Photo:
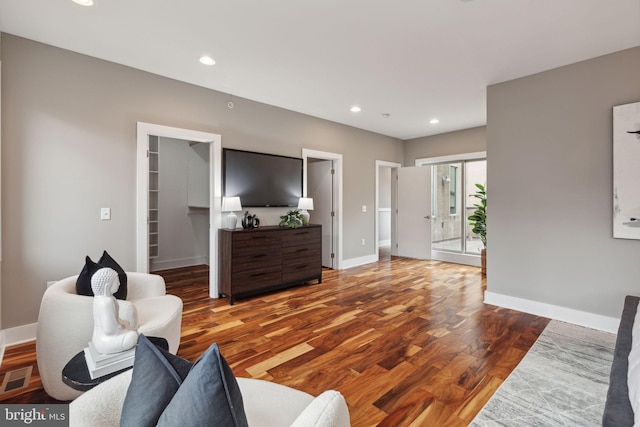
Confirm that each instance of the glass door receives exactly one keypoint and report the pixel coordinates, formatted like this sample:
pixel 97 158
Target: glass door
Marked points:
pixel 452 186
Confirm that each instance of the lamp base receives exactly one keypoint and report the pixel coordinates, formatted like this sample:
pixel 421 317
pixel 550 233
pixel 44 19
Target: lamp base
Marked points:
pixel 232 221
pixel 305 216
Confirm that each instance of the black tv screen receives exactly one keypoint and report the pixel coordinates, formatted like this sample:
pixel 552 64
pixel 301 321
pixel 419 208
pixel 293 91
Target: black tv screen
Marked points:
pixel 261 180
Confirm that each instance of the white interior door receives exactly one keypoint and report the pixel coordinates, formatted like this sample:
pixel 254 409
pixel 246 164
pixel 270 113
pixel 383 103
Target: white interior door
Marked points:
pixel 320 189
pixel 413 216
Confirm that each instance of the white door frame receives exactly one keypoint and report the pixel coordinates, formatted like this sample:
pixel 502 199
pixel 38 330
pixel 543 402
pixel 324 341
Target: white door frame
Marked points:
pixel 394 235
pixel 337 196
pixel 142 193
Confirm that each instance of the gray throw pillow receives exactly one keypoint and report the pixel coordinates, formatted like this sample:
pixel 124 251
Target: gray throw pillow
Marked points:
pixel 167 390
pixel 209 396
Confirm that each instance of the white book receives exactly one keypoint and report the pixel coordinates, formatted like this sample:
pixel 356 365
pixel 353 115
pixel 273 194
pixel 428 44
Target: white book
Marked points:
pixel 106 369
pixel 102 359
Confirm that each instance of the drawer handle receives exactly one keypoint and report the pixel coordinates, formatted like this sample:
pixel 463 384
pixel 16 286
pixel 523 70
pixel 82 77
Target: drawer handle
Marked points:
pixel 300 267
pixel 259 256
pixel 302 250
pixel 257 274
pixel 302 232
pixel 258 237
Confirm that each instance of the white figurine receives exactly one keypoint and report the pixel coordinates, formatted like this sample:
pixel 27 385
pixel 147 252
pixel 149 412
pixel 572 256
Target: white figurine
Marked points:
pixel 114 323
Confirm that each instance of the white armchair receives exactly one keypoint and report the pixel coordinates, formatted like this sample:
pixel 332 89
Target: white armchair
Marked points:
pixel 65 324
pixel 266 404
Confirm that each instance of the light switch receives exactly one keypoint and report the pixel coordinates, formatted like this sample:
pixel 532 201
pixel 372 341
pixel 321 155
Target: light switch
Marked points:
pixel 105 214
pixel 364 208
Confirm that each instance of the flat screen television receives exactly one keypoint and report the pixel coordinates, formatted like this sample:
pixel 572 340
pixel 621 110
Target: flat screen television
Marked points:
pixel 261 180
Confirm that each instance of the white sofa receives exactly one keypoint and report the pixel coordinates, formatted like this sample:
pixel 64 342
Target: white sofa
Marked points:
pixel 65 324
pixel 266 404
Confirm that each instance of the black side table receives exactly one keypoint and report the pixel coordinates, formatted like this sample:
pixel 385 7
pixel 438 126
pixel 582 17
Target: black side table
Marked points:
pixel 75 373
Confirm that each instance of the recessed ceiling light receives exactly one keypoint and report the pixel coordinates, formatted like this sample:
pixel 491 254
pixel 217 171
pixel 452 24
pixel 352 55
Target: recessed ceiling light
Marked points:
pixel 355 109
pixel 84 2
pixel 386 115
pixel 207 60
pixel 434 121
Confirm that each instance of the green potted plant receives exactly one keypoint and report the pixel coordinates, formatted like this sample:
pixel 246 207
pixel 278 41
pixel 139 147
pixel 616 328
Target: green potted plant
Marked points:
pixel 478 222
pixel 292 219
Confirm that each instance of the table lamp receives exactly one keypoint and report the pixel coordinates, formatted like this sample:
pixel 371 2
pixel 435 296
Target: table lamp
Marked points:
pixel 304 204
pixel 231 204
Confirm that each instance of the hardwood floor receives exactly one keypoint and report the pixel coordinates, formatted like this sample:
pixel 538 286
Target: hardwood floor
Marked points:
pixel 407 342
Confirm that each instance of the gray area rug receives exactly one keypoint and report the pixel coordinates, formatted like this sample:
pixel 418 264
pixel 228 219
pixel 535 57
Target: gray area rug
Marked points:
pixel 561 381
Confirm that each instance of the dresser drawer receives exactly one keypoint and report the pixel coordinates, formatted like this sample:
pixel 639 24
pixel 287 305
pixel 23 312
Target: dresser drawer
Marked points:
pixel 302 271
pixel 302 237
pixel 256 279
pixel 293 253
pixel 243 243
pixel 256 259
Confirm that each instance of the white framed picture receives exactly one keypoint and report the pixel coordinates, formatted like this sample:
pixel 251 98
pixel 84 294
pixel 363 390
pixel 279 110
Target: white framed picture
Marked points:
pixel 626 171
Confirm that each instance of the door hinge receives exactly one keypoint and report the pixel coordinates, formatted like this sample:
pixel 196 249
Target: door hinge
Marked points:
pixel 396 245
pixel 333 214
pixel 333 255
pixel 333 171
pixel 147 153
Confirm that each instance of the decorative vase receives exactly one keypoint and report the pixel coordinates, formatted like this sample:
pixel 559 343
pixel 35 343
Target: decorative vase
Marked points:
pixel 483 261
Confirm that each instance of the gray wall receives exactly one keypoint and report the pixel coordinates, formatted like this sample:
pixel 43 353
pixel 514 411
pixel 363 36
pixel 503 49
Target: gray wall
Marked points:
pixel 69 148
pixel 549 151
pixel 445 144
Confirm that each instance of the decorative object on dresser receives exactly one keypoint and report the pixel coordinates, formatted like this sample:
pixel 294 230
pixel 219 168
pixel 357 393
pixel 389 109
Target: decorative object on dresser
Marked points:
pixel 250 221
pixel 268 258
pixel 292 219
pixel 305 204
pixel 231 204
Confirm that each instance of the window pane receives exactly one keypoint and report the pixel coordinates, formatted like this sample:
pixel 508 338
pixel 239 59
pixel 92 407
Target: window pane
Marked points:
pixel 446 224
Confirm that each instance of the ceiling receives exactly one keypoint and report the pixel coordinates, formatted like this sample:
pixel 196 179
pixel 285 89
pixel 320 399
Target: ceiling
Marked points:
pixel 414 60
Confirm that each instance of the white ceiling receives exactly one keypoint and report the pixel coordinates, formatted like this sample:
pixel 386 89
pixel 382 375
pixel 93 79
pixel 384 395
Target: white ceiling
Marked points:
pixel 412 59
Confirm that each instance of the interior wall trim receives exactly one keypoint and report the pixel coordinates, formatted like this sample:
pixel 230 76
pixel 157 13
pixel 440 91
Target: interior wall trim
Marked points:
pixel 563 314
pixel 17 335
pixel 356 262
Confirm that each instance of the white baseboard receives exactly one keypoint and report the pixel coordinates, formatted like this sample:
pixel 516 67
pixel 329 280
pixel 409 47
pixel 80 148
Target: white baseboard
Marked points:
pixel 178 263
pixel 456 258
pixel 355 262
pixel 20 334
pixel 564 314
pixel 17 335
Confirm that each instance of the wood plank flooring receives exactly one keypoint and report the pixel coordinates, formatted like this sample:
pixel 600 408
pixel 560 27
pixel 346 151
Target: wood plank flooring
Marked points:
pixel 407 342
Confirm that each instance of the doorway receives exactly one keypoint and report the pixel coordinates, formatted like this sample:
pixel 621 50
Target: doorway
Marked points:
pixel 322 181
pixel 178 203
pixel 147 132
pixel 453 185
pixel 386 231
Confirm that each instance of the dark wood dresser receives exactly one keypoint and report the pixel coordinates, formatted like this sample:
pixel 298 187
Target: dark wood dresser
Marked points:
pixel 267 258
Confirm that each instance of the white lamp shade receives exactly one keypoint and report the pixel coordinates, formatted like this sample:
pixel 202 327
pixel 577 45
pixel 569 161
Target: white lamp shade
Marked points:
pixel 230 204
pixel 305 203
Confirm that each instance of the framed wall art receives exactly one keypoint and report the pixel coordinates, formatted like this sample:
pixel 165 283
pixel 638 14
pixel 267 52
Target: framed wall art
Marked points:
pixel 626 171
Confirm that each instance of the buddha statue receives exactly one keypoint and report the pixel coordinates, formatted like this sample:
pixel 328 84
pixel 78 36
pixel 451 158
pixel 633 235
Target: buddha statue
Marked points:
pixel 115 322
